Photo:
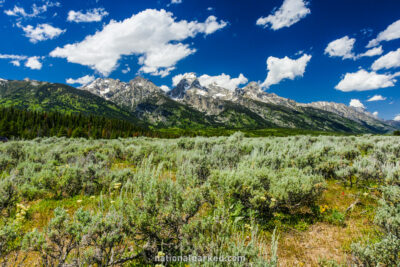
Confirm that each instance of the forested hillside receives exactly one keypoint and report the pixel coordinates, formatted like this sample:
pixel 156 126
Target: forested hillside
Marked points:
pixel 31 124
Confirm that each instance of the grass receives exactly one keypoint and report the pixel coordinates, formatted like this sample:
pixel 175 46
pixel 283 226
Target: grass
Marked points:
pixel 326 243
pixel 278 132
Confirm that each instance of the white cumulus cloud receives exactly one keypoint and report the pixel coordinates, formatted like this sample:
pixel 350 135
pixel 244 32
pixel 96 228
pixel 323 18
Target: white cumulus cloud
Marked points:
pixel 397 118
pixel 154 35
pixel 342 47
pixel 82 80
pixel 14 57
pixel 376 51
pixel 41 32
pixel 30 62
pixel 33 63
pixel 36 10
pixel 16 63
pixel 356 104
pixel 164 88
pixel 392 32
pixel 177 78
pixel 16 11
pixel 376 98
pixel 92 15
pixel 176 1
pixel 376 113
pixel 126 70
pixel 223 80
pixel 388 61
pixel 363 80
pixel 285 68
pixel 291 12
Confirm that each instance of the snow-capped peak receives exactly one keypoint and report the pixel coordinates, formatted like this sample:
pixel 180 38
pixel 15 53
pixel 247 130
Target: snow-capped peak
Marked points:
pixel 188 82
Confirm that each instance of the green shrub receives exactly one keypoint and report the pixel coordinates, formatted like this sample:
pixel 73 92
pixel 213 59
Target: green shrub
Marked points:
pixel 225 237
pixel 86 238
pixel 387 250
pixel 158 209
pixel 294 189
pixel 9 234
pixel 8 194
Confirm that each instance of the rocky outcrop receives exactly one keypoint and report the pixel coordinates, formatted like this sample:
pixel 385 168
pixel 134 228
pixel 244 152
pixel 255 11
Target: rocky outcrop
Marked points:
pixel 124 94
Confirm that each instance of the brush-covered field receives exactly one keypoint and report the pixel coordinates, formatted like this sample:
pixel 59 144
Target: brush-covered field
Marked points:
pixel 274 201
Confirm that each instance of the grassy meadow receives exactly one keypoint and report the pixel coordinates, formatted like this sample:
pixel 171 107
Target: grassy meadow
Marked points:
pixel 277 201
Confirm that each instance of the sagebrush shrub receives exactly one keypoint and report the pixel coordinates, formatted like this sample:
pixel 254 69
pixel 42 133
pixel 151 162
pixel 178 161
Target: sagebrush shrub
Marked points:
pixel 206 195
pixel 387 250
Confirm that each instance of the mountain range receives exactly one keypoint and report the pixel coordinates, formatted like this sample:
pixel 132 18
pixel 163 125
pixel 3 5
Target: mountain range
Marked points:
pixel 190 105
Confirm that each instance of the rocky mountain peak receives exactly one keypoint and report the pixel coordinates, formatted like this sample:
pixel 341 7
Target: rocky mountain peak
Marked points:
pixel 105 87
pixel 127 94
pixel 252 87
pixel 139 80
pixel 188 82
pixel 3 81
pixel 144 84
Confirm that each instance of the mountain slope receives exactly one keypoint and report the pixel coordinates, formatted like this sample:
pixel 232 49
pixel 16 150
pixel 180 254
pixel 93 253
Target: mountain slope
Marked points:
pixel 356 114
pixel 394 123
pixel 161 111
pixel 149 103
pixel 189 105
pixel 44 96
pixel 273 110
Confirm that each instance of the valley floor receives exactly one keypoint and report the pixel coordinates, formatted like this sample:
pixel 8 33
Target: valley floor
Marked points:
pixel 278 201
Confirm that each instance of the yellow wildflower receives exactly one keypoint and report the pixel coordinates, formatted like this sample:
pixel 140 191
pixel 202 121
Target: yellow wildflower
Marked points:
pixel 247 226
pixel 322 209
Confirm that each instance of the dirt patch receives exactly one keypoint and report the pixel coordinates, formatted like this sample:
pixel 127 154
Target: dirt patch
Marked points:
pixel 327 242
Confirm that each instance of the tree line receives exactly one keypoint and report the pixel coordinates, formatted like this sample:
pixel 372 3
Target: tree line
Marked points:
pixel 27 124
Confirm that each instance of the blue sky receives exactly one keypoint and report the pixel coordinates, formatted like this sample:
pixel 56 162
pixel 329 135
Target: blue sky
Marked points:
pixel 307 50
